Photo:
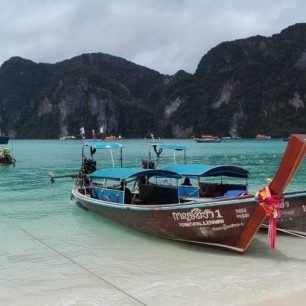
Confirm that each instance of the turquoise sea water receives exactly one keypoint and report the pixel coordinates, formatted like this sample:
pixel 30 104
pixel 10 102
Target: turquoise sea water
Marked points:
pixel 53 253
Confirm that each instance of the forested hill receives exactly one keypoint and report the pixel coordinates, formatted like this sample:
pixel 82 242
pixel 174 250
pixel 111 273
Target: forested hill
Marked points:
pixel 240 88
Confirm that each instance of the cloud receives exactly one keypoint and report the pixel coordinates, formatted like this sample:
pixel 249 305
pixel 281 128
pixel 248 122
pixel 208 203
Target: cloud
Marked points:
pixel 162 35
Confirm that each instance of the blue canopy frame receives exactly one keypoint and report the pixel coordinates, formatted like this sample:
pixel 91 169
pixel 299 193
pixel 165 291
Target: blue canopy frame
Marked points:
pixel 125 173
pixel 159 147
pixel 94 145
pixel 205 170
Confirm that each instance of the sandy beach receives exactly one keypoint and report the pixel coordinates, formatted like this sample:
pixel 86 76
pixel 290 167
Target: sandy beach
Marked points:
pixel 296 298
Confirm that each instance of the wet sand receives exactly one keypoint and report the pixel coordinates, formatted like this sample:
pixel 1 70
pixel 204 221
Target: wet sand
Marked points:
pixel 296 298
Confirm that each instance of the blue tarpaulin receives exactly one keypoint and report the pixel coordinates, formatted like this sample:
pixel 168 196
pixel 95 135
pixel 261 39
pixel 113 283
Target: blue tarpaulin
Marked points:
pixel 197 170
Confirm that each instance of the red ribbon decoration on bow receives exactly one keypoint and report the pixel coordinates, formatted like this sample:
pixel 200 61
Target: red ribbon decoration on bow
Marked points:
pixel 272 207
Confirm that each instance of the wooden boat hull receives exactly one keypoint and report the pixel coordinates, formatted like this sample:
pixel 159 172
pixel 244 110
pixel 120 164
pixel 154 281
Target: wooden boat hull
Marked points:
pixel 227 224
pixel 293 214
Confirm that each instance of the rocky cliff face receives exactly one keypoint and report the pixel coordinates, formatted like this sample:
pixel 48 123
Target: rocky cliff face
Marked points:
pixel 250 86
pixel 92 90
pixel 240 88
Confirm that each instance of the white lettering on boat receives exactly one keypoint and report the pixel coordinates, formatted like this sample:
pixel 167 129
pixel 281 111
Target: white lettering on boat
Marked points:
pixel 242 213
pixel 243 216
pixel 225 227
pixel 240 210
pixel 304 207
pixel 203 231
pixel 285 205
pixel 201 223
pixel 197 214
pixel 288 213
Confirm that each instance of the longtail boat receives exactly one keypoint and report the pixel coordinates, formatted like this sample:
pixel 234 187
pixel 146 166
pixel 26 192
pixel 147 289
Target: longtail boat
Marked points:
pixel 214 214
pixel 153 201
pixel 208 139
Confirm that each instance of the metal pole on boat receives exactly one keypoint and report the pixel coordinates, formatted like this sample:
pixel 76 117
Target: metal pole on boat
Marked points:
pixel 185 157
pixel 178 190
pixel 83 153
pixel 174 160
pixel 121 162
pixel 111 152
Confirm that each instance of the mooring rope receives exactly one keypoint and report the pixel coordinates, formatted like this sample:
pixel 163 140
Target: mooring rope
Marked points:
pixel 82 267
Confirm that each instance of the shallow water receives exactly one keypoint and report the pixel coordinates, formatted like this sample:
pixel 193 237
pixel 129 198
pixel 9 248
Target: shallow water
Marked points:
pixel 53 253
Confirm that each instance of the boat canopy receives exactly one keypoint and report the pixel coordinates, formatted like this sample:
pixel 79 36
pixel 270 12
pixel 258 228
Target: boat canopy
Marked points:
pixel 103 144
pixel 167 146
pixel 197 170
pixel 159 147
pixel 125 173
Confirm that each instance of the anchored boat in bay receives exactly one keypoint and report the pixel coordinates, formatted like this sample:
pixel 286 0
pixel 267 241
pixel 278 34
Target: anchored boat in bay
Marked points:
pixel 163 203
pixel 153 201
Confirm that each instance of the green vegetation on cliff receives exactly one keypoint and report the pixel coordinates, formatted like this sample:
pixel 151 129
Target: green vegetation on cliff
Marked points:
pixel 241 88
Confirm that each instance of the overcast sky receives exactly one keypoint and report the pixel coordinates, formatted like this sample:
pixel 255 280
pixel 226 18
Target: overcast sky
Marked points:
pixel 165 35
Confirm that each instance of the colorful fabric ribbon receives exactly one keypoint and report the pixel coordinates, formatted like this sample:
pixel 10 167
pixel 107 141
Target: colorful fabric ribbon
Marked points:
pixel 272 207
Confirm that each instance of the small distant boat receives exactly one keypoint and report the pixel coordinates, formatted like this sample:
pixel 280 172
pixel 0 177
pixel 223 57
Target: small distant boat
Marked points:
pixel 262 137
pixel 5 157
pixel 208 139
pixel 111 137
pixel 68 138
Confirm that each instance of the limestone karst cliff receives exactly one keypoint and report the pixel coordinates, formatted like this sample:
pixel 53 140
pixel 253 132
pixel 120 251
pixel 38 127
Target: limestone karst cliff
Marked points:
pixel 240 88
